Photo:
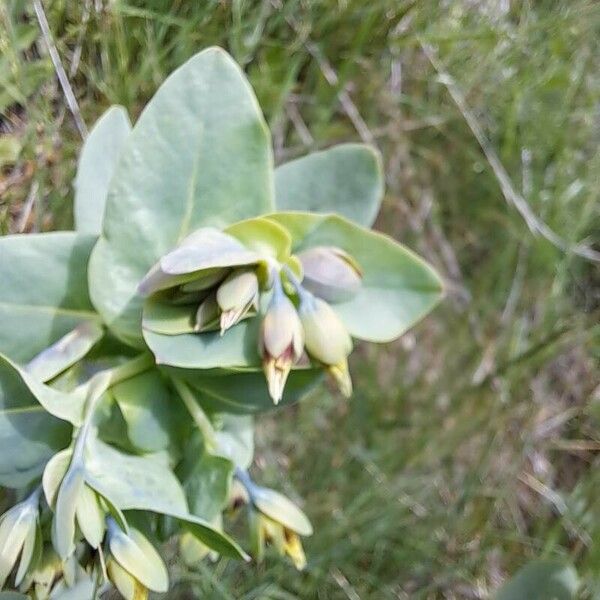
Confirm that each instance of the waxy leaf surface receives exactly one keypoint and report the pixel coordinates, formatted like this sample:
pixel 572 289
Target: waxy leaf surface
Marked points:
pixel 199 155
pixel 346 179
pixel 43 294
pixel 97 164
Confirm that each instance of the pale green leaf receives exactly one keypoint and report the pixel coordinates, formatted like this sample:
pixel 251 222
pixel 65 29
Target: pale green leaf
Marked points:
pixel 398 287
pixel 29 435
pixel 199 155
pixel 246 392
pixel 346 179
pixel 65 352
pixel 147 407
pixel 97 163
pixel 67 406
pixel 206 480
pixel 235 439
pixel 133 482
pixel 44 292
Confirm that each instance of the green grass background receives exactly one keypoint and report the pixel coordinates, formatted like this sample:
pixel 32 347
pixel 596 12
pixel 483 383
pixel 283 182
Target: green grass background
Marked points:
pixel 471 445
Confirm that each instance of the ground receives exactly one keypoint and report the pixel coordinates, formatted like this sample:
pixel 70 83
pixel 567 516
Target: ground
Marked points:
pixel 470 446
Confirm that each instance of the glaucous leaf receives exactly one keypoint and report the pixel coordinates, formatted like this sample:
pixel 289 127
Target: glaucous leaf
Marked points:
pixel 133 482
pixel 211 536
pixel 44 291
pixel 398 287
pixel 97 163
pixel 65 352
pixel 346 179
pixel 147 407
pixel 64 405
pixel 258 235
pixel 235 439
pixel 29 435
pixel 206 480
pixel 541 580
pixel 246 392
pixel 199 155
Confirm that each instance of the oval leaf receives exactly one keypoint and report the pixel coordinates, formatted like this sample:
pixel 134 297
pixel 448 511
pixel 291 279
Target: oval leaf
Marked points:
pixel 97 163
pixel 199 155
pixel 346 179
pixel 44 292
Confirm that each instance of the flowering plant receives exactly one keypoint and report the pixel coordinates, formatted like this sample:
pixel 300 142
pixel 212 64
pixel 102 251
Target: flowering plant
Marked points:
pixel 201 286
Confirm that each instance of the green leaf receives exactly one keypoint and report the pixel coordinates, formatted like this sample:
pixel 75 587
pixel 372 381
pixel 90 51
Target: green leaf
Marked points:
pixel 206 481
pixel 66 406
pixel 260 236
pixel 133 482
pixel 541 580
pixel 235 439
pixel 346 179
pixel 147 407
pixel 208 350
pixel 65 352
pixel 97 163
pixel 398 287
pixel 44 293
pixel 246 392
pixel 199 155
pixel 29 435
pixel 210 536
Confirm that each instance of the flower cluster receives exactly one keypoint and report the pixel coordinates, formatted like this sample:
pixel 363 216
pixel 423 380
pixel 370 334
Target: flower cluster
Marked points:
pixel 217 282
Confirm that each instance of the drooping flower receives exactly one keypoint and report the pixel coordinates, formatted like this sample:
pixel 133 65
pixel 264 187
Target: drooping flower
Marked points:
pixel 18 532
pixel 134 565
pixel 276 520
pixel 326 338
pixel 281 340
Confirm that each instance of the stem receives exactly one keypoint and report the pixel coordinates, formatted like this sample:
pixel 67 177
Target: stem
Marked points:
pixel 133 367
pixel 305 296
pixel 200 417
pixel 242 476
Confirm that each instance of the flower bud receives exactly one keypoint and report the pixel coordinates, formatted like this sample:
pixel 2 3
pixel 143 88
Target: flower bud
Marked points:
pixel 280 341
pixel 330 273
pixel 326 339
pixel 207 315
pixel 237 296
pixel 135 555
pixel 275 519
pixel 18 533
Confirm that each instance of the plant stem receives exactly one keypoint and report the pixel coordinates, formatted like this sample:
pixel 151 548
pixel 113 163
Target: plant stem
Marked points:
pixel 200 417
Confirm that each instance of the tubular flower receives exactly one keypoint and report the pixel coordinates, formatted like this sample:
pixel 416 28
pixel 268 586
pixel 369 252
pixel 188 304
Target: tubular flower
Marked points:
pixel 18 534
pixel 274 519
pixel 281 340
pixel 134 565
pixel 330 273
pixel 326 338
pixel 237 296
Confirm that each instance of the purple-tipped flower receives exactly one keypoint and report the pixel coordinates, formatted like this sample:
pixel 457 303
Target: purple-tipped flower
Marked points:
pixel 281 340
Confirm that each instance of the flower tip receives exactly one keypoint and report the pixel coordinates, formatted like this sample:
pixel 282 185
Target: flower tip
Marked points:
pixel 341 376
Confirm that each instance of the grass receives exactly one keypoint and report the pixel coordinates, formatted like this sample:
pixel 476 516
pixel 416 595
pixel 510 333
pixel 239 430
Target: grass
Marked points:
pixel 471 445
